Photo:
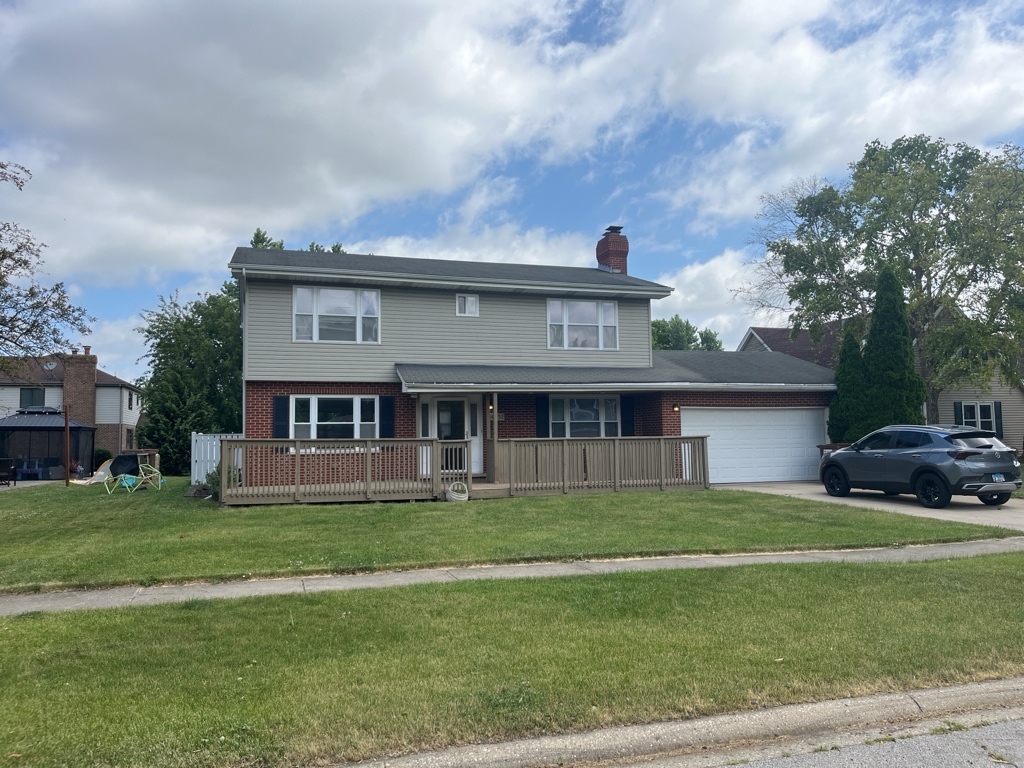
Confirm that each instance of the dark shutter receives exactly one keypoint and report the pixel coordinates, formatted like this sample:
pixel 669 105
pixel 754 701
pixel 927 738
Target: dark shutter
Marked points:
pixel 387 416
pixel 958 412
pixel 543 417
pixel 626 413
pixel 998 408
pixel 280 416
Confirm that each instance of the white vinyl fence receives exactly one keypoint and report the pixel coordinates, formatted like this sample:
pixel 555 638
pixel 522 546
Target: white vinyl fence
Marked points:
pixel 206 453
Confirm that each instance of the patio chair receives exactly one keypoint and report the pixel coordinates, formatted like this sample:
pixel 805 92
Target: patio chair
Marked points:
pixel 8 473
pixel 149 477
pixel 98 476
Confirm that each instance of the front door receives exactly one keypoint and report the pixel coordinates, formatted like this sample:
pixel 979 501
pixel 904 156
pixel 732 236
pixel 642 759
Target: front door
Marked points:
pixel 460 420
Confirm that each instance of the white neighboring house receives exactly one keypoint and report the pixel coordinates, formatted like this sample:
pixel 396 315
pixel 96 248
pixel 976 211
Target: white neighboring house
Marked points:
pixel 93 396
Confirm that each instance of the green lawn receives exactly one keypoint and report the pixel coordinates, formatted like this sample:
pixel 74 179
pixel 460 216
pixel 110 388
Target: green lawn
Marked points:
pixel 319 678
pixel 56 537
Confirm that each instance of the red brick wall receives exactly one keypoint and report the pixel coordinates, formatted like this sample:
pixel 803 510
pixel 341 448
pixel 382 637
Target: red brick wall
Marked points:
pixel 109 436
pixel 259 403
pixel 80 387
pixel 613 252
pixel 517 416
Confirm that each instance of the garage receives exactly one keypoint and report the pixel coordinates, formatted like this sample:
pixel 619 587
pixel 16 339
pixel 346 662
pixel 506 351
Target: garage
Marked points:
pixel 750 445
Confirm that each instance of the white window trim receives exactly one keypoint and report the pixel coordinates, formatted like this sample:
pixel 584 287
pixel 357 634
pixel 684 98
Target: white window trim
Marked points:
pixel 467 296
pixel 977 412
pixel 313 413
pixel 601 408
pixel 359 317
pixel 565 324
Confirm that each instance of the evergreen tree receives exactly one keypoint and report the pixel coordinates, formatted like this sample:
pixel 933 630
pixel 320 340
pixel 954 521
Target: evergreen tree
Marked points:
pixel 896 392
pixel 848 411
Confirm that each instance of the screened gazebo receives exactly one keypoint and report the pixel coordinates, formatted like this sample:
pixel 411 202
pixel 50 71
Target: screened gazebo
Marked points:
pixel 34 439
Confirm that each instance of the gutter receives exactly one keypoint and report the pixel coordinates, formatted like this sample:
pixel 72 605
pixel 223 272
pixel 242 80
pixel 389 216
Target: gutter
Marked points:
pixel 426 388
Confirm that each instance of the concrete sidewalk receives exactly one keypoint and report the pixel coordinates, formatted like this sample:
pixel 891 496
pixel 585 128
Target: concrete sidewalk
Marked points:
pixel 735 739
pixel 121 597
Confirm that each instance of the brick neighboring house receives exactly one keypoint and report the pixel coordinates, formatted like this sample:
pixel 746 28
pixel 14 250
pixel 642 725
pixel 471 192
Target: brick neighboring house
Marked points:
pixel 350 346
pixel 93 396
pixel 999 409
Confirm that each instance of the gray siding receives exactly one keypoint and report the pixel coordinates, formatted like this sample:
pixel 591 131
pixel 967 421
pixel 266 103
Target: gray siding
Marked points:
pixel 419 326
pixel 1012 399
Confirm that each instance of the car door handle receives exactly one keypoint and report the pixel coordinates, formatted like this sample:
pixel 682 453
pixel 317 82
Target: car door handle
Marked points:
pixel 877 456
pixel 915 455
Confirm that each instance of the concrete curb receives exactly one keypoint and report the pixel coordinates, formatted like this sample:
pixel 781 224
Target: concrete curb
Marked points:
pixel 642 742
pixel 122 597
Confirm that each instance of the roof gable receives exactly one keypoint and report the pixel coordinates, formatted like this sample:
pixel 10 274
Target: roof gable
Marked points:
pixel 38 371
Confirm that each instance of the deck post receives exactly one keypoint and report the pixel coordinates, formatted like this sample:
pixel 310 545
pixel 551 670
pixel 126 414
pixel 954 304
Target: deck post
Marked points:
pixel 298 469
pixel 565 466
pixel 661 474
pixel 616 457
pixel 368 489
pixel 435 466
pixel 511 468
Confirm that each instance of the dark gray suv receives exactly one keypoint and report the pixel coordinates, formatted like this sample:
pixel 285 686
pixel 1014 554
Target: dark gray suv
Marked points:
pixel 932 462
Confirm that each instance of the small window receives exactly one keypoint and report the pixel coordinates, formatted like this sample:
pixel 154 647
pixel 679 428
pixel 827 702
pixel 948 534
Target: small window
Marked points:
pixel 32 396
pixel 129 439
pixel 467 305
pixel 130 399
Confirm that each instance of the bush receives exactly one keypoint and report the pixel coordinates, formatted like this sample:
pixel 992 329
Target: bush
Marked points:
pixel 100 455
pixel 213 480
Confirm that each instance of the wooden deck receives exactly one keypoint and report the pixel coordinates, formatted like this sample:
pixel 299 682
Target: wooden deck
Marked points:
pixel 332 471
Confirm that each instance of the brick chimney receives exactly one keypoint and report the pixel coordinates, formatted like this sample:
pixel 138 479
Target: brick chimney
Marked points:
pixel 612 250
pixel 80 385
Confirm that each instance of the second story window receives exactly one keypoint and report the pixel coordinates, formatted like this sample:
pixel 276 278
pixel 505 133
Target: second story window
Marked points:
pixel 336 314
pixel 31 396
pixel 582 324
pixel 467 305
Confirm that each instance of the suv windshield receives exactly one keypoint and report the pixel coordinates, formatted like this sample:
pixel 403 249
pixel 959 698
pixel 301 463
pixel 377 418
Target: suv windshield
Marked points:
pixel 977 442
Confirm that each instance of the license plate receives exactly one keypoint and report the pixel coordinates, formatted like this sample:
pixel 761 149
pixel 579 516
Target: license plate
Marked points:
pixel 996 478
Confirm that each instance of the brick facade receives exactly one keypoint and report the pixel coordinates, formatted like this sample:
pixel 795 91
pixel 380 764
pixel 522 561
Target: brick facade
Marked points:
pixel 613 252
pixel 259 403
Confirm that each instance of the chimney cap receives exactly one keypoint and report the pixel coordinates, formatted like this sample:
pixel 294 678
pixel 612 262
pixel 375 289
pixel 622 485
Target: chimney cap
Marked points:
pixel 613 230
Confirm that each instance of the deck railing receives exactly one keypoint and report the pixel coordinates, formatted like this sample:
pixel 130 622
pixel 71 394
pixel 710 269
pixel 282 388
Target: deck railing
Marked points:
pixel 543 466
pixel 297 471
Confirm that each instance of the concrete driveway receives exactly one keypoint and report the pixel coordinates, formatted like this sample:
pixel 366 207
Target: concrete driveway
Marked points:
pixel 962 509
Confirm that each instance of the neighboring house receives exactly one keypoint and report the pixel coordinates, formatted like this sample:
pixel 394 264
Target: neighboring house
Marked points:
pixel 1000 409
pixel 346 346
pixel 93 397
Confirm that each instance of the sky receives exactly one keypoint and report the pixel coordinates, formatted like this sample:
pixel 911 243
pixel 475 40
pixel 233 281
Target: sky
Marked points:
pixel 162 133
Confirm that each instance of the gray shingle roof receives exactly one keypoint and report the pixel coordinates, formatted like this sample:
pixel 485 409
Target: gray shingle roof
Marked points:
pixel 411 271
pixel 671 370
pixel 40 421
pixel 33 371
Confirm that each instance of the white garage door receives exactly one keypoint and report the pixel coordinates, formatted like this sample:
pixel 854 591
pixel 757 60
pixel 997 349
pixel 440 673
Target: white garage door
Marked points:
pixel 749 445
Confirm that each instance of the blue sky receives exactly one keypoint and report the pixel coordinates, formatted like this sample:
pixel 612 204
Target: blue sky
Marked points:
pixel 161 134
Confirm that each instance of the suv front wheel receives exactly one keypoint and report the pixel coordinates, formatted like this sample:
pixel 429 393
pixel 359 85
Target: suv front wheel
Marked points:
pixel 931 491
pixel 835 482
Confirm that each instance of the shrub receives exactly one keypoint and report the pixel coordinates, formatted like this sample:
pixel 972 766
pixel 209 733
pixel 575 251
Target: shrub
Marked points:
pixel 100 455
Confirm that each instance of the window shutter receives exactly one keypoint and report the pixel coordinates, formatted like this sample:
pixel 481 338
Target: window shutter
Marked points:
pixel 958 412
pixel 281 416
pixel 387 416
pixel 998 408
pixel 626 412
pixel 543 417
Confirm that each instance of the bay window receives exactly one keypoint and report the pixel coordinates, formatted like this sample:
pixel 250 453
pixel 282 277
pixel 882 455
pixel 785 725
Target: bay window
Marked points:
pixel 336 314
pixel 582 324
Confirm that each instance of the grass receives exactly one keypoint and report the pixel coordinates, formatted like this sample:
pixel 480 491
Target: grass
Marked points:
pixel 326 677
pixel 56 537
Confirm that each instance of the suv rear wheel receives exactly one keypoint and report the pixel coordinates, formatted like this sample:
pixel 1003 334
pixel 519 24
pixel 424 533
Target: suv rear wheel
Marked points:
pixel 835 482
pixel 995 499
pixel 931 491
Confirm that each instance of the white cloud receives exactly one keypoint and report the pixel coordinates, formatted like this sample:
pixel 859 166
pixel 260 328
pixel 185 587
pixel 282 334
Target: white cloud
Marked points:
pixel 705 295
pixel 118 347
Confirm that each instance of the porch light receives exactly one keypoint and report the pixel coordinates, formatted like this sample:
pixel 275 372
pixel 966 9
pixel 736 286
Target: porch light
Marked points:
pixel 675 407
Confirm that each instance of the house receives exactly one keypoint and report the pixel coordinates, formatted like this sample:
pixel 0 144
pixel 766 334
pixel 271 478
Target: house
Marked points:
pixel 347 346
pixel 93 397
pixel 1000 409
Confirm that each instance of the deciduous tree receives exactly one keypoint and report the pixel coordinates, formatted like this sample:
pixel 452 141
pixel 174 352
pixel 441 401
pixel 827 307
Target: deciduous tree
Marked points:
pixel 948 219
pixel 35 319
pixel 195 377
pixel 677 333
